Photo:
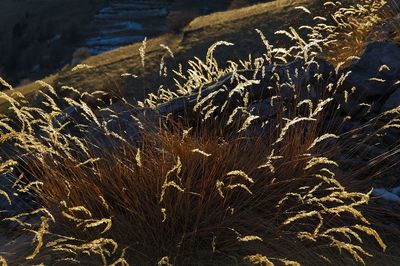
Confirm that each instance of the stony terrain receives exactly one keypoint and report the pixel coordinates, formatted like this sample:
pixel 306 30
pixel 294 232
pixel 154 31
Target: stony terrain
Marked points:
pixel 124 22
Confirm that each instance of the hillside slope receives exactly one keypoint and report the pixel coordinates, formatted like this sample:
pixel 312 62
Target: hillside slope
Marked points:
pixel 235 26
pixel 39 37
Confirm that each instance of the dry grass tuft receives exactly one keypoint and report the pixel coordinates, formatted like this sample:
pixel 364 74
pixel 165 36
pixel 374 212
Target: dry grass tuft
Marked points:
pixel 213 184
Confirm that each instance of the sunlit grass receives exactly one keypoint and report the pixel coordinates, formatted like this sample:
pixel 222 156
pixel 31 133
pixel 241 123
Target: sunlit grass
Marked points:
pixel 209 183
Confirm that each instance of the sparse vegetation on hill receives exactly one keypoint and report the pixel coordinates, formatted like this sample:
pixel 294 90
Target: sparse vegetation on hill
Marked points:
pixel 268 160
pixel 199 35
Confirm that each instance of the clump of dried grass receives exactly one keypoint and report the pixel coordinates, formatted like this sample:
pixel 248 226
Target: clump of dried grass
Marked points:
pixel 350 27
pixel 194 196
pixel 214 189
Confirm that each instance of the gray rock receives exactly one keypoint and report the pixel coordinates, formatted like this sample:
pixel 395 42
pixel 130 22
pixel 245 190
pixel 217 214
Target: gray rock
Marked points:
pixel 263 108
pixel 351 106
pixel 296 73
pixel 20 202
pixel 390 139
pixel 391 136
pixel 347 162
pixel 350 125
pixel 371 151
pixel 363 113
pixel 119 119
pixel 392 102
pixel 376 71
pixel 395 132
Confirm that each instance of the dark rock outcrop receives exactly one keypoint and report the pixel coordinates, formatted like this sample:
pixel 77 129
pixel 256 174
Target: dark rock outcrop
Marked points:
pixel 375 73
pixel 393 101
pixel 296 73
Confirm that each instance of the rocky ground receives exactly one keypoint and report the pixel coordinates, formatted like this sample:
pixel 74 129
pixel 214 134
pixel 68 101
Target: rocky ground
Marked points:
pixel 123 22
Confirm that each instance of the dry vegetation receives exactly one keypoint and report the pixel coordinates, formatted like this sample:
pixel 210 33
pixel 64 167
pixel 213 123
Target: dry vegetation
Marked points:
pixel 213 185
